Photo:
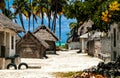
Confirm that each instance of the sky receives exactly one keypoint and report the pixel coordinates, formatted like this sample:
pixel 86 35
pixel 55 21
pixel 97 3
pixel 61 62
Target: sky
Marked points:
pixel 64 25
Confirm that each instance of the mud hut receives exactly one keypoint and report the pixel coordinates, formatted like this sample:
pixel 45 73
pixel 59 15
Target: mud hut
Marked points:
pixel 48 36
pixel 30 46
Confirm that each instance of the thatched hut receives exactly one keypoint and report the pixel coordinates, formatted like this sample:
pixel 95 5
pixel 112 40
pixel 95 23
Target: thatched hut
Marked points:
pixel 74 41
pixel 30 46
pixel 8 33
pixel 47 35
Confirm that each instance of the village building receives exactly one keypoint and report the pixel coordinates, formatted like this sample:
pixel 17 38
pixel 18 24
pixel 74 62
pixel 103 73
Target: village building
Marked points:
pixel 73 44
pixel 31 46
pixel 99 45
pixel 8 33
pixel 76 42
pixel 94 44
pixel 115 40
pixel 83 31
pixel 105 53
pixel 48 36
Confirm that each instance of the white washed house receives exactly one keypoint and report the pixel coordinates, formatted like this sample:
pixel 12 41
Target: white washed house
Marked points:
pixel 94 44
pixel 83 29
pixel 8 33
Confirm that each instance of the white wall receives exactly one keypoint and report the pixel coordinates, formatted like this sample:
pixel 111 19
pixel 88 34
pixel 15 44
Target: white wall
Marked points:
pixel 11 51
pixel 74 45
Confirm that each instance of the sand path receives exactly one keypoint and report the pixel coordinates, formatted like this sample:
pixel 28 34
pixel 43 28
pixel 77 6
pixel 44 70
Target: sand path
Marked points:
pixel 65 61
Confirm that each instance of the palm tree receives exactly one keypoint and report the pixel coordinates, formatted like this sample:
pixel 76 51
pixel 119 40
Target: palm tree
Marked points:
pixel 72 26
pixel 62 3
pixel 54 6
pixel 2 5
pixel 41 8
pixel 27 12
pixel 74 34
pixel 60 29
pixel 35 12
pixel 6 11
pixel 19 6
pixel 48 11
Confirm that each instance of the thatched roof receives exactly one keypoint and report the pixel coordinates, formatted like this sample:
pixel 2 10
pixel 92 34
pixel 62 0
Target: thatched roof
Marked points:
pixel 45 33
pixel 84 35
pixel 81 30
pixel 7 23
pixel 70 39
pixel 42 42
pixel 84 27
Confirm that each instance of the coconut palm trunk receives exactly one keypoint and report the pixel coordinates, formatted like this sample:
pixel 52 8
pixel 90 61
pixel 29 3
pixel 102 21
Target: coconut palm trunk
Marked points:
pixel 60 30
pixel 2 5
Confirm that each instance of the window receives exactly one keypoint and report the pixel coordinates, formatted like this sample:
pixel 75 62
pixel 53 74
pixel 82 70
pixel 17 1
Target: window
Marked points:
pixel 114 31
pixel 12 42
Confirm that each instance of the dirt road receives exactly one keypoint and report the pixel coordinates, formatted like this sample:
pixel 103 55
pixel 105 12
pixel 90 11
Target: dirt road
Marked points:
pixel 64 61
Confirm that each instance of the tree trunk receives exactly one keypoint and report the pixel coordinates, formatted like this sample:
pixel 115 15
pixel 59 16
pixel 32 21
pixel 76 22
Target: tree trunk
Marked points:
pixel 42 22
pixel 54 24
pixel 60 30
pixel 21 20
pixel 33 23
pixel 29 24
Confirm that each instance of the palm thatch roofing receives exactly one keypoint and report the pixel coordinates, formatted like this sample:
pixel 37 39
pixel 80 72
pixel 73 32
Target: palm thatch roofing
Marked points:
pixel 84 27
pixel 5 22
pixel 84 35
pixel 81 30
pixel 45 33
pixel 38 39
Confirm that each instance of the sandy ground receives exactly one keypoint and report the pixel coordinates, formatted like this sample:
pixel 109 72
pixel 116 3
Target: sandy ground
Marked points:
pixel 65 61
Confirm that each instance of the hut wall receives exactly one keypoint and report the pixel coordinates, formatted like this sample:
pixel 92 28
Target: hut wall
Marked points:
pixel 91 47
pixel 1 40
pixel 29 48
pixel 115 40
pixel 97 47
pixel 52 48
pixel 105 42
pixel 105 49
pixel 94 47
pixel 12 37
pixel 74 45
pixel 7 43
pixel 8 46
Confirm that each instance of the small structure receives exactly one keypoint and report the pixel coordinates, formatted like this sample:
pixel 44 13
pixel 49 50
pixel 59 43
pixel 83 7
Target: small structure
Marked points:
pixel 94 44
pixel 115 40
pixel 8 33
pixel 48 36
pixel 99 45
pixel 84 27
pixel 83 40
pixel 31 46
pixel 83 34
pixel 72 43
pixel 105 53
